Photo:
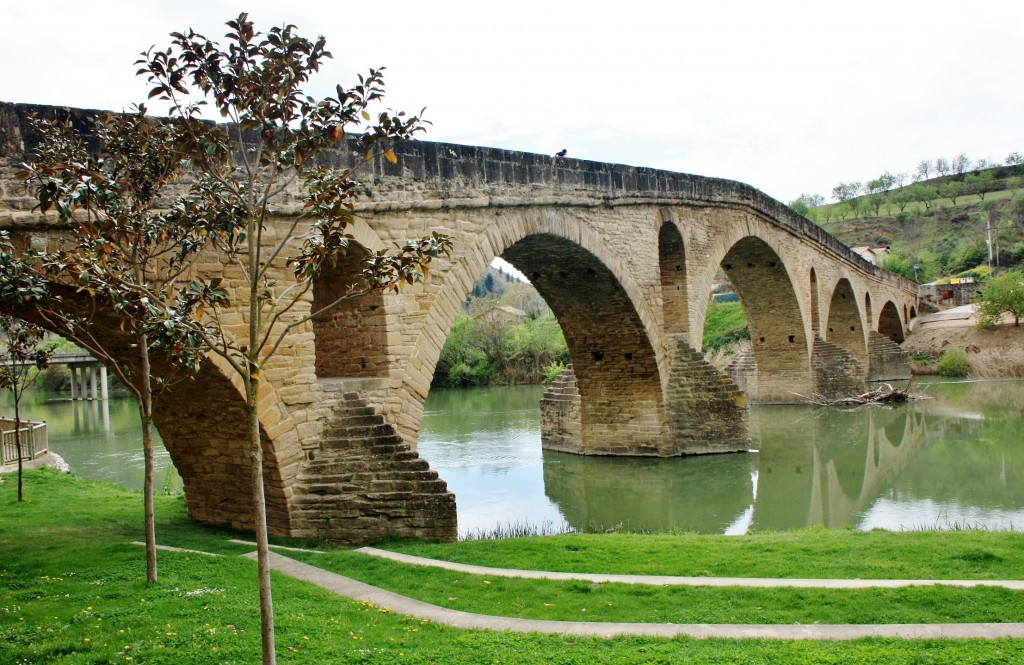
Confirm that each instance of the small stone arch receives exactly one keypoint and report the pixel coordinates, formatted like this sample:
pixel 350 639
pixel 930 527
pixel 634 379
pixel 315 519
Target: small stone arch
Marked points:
pixel 889 323
pixel 815 312
pixel 867 307
pixel 350 340
pixel 672 261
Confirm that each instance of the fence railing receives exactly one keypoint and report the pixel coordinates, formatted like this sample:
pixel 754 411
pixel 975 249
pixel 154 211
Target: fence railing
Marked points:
pixel 33 441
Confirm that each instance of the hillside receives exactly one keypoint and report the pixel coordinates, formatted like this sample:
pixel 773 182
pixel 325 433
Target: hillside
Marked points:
pixel 945 234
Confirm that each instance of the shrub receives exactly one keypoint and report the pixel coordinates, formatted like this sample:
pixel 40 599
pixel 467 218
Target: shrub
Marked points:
pixel 551 372
pixel 953 362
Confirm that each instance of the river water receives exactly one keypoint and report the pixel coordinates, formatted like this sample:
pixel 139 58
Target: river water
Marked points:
pixel 953 461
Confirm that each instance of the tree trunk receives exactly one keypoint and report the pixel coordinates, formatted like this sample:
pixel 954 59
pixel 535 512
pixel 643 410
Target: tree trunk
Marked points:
pixel 17 443
pixel 260 514
pixel 146 417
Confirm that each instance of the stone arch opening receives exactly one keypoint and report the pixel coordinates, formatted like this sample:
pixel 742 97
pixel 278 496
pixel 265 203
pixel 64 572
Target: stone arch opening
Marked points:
pixel 815 314
pixel 205 438
pixel 913 313
pixel 844 328
pixel 778 341
pixel 889 323
pixel 672 260
pixel 867 307
pixel 350 340
pixel 614 363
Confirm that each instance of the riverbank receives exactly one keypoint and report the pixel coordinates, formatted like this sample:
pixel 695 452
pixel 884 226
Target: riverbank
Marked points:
pixel 72 590
pixel 996 352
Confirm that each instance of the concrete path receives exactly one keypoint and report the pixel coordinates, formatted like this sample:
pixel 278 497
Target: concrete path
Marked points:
pixel 670 580
pixel 364 592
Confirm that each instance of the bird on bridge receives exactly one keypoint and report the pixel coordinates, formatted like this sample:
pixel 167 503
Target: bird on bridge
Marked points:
pixel 562 153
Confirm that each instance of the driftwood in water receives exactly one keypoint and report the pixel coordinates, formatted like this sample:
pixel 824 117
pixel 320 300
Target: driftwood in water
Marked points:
pixel 881 395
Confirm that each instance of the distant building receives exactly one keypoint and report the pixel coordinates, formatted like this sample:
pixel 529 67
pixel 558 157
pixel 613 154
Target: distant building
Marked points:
pixel 871 254
pixel 501 314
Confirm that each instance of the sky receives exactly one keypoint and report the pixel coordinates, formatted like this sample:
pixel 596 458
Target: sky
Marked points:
pixel 789 97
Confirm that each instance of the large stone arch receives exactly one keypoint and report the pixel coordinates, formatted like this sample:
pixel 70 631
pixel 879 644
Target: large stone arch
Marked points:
pixel 777 330
pixel 844 326
pixel 889 324
pixel 609 326
pixel 206 438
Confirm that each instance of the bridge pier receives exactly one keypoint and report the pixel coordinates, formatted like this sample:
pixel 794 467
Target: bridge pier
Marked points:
pixel 706 412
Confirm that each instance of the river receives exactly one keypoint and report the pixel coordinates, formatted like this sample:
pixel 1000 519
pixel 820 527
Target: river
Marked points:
pixel 953 461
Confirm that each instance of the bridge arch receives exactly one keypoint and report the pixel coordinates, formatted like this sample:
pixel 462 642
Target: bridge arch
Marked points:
pixel 889 323
pixel 844 327
pixel 205 438
pixel 608 325
pixel 674 294
pixel 815 312
pixel 774 316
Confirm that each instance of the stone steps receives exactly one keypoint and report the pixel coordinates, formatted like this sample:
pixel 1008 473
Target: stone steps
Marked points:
pixel 836 372
pixel 364 483
pixel 707 411
pixel 887 361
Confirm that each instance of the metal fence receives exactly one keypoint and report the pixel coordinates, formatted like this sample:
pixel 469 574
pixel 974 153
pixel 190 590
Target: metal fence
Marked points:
pixel 33 441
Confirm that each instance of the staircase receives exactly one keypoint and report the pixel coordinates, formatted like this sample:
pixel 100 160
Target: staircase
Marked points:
pixel 836 372
pixel 364 484
pixel 887 361
pixel 707 411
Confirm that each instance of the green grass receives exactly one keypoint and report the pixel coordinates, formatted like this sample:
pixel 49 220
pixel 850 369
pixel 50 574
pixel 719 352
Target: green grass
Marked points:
pixel 586 601
pixel 725 323
pixel 814 552
pixel 73 591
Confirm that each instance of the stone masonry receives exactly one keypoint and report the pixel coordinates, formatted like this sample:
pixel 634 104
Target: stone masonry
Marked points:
pixel 624 256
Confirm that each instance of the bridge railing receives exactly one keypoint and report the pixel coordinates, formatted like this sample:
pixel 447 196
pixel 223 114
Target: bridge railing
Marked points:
pixel 33 441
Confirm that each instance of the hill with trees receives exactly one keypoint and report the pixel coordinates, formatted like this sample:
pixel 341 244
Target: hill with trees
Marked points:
pixel 951 218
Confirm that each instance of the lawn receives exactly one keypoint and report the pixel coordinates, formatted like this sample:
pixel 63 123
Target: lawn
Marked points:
pixel 72 590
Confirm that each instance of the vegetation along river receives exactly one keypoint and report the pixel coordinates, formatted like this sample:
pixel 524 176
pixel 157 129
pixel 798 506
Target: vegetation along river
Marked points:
pixel 950 462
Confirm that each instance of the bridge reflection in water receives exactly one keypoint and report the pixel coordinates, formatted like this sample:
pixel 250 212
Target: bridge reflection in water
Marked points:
pixel 952 459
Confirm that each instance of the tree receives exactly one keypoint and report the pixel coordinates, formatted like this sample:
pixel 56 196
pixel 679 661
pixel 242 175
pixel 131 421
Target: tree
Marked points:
pixel 122 251
pixel 799 207
pixel 979 183
pixel 923 194
pixel 1014 158
pixel 902 197
pixel 255 82
pixel 924 167
pixel 875 202
pixel 951 190
pixel 26 350
pixel 1004 293
pixel 845 191
pixel 960 164
pixel 942 167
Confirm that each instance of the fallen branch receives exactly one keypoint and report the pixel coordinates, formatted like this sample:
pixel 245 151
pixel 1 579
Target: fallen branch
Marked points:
pixel 881 395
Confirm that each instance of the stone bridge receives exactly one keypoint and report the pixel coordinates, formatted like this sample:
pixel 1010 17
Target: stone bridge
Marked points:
pixel 624 256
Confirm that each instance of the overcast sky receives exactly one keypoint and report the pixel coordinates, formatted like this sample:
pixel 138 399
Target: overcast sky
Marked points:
pixel 789 97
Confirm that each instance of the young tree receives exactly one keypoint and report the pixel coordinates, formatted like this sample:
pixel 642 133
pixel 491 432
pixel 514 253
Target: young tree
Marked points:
pixel 942 166
pixel 122 251
pixel 25 350
pixel 979 183
pixel 923 194
pixel 902 197
pixel 274 137
pixel 951 190
pixel 924 167
pixel 1014 158
pixel 960 164
pixel 1004 293
pixel 845 191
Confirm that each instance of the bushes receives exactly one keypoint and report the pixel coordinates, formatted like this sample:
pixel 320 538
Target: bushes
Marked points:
pixel 953 362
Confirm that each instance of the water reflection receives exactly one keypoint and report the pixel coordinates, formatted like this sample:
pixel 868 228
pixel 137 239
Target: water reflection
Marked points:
pixel 956 459
pixel 948 461
pixel 98 439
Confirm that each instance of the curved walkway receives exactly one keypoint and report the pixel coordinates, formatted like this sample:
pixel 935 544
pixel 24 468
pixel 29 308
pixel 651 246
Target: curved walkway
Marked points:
pixel 671 580
pixel 401 604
